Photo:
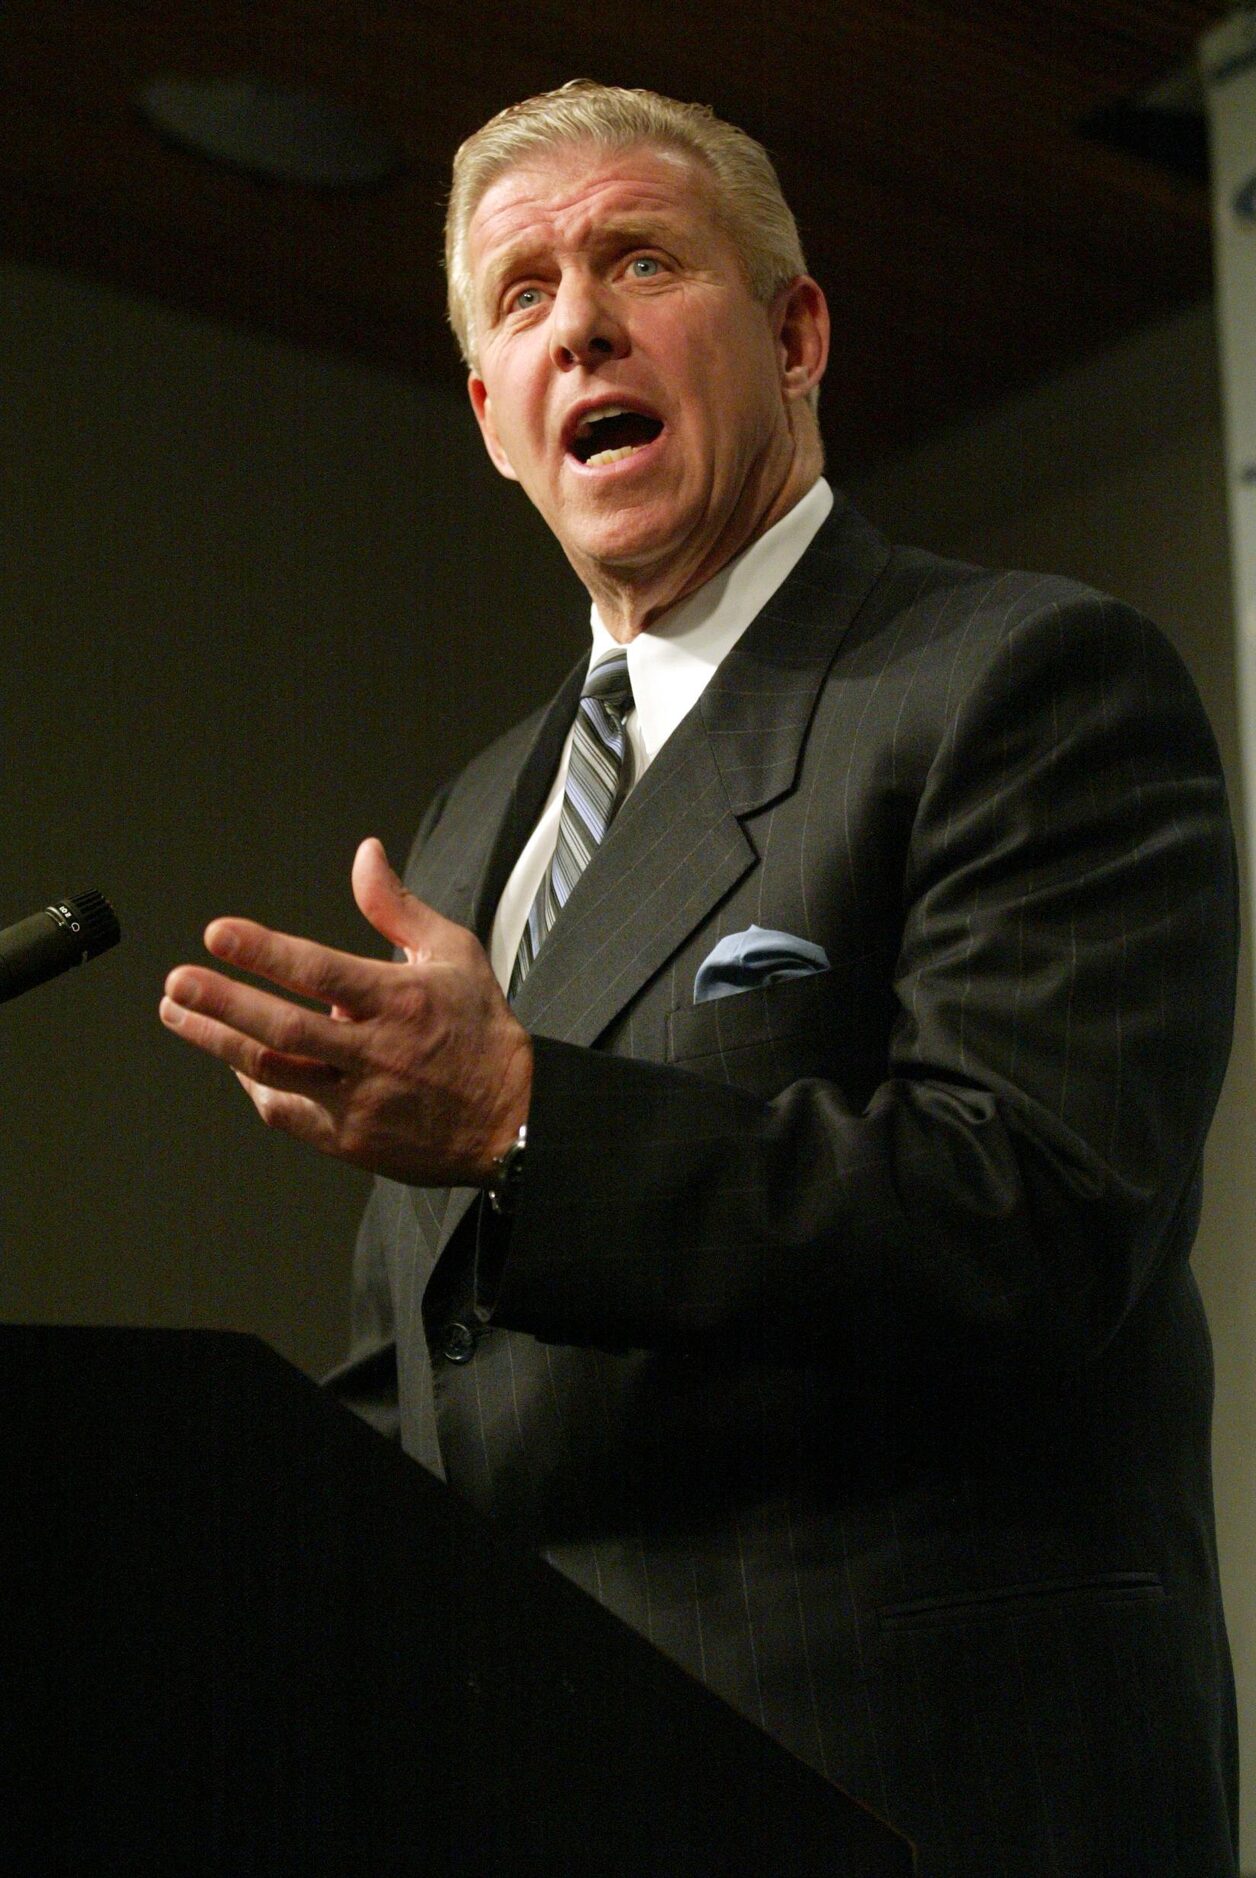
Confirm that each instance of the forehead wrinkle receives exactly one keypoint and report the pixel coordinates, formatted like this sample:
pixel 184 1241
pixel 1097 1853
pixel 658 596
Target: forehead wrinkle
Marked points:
pixel 574 221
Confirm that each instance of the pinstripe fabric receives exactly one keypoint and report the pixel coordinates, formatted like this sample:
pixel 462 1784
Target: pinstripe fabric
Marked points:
pixel 596 776
pixel 846 1344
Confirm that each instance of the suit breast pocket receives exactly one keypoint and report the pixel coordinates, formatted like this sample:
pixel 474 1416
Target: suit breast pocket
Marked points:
pixel 1066 1597
pixel 830 1024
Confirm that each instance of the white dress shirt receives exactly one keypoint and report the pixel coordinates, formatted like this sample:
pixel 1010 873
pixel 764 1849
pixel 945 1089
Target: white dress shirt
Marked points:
pixel 670 664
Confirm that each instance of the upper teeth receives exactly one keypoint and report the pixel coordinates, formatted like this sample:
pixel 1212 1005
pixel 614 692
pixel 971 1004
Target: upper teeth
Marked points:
pixel 585 428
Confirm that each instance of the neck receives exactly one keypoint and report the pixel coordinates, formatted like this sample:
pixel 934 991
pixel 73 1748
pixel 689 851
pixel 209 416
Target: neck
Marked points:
pixel 630 600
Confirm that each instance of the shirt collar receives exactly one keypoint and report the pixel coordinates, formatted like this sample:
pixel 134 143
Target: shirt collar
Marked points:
pixel 672 661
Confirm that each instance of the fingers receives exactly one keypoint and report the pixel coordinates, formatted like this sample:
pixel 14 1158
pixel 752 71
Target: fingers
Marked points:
pixel 300 965
pixel 402 919
pixel 391 1072
pixel 289 1028
pixel 249 1056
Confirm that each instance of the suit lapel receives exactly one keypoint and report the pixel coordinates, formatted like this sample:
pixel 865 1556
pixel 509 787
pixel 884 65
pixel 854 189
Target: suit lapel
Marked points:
pixel 678 846
pixel 463 865
pixel 670 854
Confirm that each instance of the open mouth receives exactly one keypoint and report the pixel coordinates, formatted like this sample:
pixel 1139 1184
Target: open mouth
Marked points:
pixel 607 436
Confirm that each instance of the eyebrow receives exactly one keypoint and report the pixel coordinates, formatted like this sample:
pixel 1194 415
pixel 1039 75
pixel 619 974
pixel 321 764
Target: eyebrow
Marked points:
pixel 513 260
pixel 627 230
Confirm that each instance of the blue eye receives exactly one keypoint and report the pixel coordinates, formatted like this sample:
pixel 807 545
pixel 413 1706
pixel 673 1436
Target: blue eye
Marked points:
pixel 644 266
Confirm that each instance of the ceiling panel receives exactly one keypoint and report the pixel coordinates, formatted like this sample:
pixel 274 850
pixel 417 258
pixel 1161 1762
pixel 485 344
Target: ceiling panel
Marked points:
pixel 971 237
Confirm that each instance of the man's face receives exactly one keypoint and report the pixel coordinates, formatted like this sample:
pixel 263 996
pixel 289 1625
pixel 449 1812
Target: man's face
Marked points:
pixel 625 374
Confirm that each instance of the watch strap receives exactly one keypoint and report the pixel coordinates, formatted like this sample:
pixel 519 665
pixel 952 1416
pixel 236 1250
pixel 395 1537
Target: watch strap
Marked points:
pixel 504 1181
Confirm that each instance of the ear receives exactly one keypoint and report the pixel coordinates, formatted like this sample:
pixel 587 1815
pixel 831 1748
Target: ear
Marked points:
pixel 478 392
pixel 800 324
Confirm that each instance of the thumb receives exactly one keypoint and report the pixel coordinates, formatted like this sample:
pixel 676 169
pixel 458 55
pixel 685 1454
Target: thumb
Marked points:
pixel 403 920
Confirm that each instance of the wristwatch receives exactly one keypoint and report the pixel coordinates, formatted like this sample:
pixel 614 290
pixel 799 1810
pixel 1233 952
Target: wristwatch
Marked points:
pixel 504 1181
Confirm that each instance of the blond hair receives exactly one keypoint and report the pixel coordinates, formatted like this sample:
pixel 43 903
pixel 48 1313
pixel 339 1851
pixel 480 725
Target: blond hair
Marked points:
pixel 748 195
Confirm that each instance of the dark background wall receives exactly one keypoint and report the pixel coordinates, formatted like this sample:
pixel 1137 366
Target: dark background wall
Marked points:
pixel 255 605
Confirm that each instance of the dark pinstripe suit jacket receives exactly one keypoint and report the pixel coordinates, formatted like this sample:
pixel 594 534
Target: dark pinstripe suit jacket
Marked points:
pixel 845 1342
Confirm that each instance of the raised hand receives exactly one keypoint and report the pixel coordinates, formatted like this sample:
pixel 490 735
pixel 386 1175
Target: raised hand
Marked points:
pixel 415 1069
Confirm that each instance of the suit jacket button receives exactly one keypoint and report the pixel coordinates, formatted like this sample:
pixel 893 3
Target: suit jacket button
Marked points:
pixel 457 1343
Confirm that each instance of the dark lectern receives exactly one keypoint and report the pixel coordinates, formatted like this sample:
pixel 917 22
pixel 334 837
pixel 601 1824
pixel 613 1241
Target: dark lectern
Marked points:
pixel 244 1634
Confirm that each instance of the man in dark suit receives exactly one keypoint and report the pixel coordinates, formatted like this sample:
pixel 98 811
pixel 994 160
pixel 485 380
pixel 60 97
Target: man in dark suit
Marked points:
pixel 830 1318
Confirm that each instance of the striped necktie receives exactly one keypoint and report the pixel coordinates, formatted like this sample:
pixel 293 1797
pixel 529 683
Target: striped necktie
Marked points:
pixel 596 774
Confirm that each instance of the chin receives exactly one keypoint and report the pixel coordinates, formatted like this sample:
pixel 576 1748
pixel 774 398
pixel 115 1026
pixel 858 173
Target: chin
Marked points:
pixel 628 540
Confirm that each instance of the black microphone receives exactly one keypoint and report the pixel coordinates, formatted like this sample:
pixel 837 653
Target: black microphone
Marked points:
pixel 67 933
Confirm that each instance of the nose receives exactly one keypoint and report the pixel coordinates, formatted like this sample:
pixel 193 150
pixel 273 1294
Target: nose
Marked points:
pixel 585 325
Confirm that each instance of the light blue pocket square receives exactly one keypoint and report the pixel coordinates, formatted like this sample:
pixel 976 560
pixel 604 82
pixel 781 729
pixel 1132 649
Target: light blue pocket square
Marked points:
pixel 757 956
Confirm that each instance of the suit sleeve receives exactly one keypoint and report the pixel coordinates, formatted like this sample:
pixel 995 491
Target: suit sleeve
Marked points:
pixel 1062 1008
